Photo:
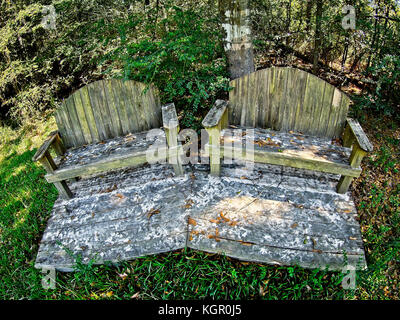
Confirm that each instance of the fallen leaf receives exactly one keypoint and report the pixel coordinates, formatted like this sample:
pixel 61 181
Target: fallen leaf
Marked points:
pixel 152 212
pixel 123 276
pixel 135 296
pixel 294 225
pixel 192 221
pixel 223 217
pixel 352 238
pixel 121 196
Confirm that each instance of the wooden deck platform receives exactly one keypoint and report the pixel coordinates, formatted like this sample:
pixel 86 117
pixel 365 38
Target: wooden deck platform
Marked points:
pixel 273 214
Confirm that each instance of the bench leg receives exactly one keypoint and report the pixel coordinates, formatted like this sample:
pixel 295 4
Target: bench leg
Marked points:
pixel 174 150
pixel 344 184
pixel 214 150
pixel 63 190
pixel 356 157
pixel 62 187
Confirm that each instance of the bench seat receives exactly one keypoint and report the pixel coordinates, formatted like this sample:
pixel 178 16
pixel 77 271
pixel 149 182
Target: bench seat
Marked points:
pixel 116 153
pixel 291 149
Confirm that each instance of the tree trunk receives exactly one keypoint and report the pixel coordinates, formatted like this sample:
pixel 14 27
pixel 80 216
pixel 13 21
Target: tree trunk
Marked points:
pixel 308 14
pixel 318 35
pixel 235 16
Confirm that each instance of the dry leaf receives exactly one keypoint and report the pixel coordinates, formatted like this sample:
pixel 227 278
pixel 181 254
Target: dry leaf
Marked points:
pixel 121 196
pixel 294 225
pixel 223 217
pixel 123 276
pixel 152 212
pixel 352 238
pixel 192 221
pixel 135 296
pixel 214 221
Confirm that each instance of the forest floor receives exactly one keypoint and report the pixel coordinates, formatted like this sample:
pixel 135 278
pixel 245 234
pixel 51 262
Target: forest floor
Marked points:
pixel 26 200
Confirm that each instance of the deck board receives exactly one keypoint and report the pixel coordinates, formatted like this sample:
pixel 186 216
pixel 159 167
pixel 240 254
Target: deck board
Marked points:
pixel 272 214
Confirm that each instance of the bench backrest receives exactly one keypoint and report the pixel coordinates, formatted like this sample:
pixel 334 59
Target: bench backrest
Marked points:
pixel 107 109
pixel 285 99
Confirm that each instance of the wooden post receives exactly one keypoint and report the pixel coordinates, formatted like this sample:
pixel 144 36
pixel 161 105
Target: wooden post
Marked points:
pixel 174 149
pixel 49 165
pixel 214 143
pixel 355 160
pixel 235 16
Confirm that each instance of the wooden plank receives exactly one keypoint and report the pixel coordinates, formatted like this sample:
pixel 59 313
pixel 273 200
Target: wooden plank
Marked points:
pixel 80 111
pixel 359 135
pixel 87 106
pixel 110 163
pixel 74 122
pixel 214 116
pixel 116 127
pixel 95 101
pixel 139 105
pixel 298 102
pixel 234 101
pixel 122 107
pixel 70 137
pixel 262 99
pixel 326 123
pixel 342 115
pixel 133 117
pixel 278 158
pixel 155 107
pixel 310 100
pixel 103 108
pixel 320 110
pixel 61 128
pixel 44 148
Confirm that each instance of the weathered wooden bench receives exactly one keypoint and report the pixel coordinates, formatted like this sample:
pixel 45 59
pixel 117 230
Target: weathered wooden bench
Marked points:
pixel 104 126
pixel 297 116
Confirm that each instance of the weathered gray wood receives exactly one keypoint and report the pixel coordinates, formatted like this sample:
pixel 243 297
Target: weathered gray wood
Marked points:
pixel 215 115
pixel 291 160
pixel 49 165
pixel 40 153
pixel 293 100
pixel 356 157
pixel 169 116
pixel 107 109
pixel 359 135
pixel 107 164
pixel 283 224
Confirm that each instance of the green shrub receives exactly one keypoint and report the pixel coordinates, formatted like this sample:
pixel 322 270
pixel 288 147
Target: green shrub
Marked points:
pixel 385 96
pixel 182 55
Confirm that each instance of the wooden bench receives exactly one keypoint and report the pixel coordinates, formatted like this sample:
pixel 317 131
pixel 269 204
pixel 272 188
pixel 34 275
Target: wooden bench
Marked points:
pixel 104 126
pixel 297 117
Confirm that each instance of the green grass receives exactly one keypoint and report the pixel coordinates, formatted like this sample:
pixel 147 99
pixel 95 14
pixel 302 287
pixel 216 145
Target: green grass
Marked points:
pixel 26 201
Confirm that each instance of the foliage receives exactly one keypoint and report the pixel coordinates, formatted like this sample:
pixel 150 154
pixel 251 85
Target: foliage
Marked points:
pixel 385 98
pixel 38 66
pixel 183 56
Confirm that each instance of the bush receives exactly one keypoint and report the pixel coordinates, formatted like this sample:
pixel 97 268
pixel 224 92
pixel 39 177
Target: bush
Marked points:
pixel 385 98
pixel 182 55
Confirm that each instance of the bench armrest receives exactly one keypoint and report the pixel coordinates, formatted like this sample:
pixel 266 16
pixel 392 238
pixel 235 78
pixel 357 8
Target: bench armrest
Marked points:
pixel 215 116
pixel 54 140
pixel 169 116
pixel 354 133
